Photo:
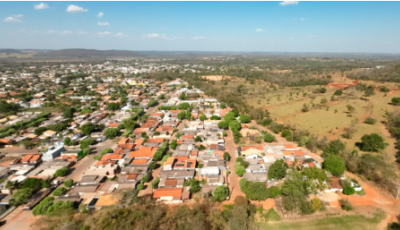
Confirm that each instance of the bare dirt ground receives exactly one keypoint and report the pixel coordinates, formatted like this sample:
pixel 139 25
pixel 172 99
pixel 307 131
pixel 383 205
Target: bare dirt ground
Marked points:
pixel 22 221
pixel 216 77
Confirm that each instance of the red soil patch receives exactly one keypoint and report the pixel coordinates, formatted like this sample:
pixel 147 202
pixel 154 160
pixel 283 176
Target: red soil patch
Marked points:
pixel 342 85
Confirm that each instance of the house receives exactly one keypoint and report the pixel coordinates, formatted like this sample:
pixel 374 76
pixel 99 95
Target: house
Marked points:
pixel 210 171
pixel 52 152
pixel 171 195
pixel 31 159
pixel 144 152
pixel 91 180
pixel 108 170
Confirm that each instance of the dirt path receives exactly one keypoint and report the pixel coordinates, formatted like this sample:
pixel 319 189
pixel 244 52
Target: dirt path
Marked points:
pixel 234 179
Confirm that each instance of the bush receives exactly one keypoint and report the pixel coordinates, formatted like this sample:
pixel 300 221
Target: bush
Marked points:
pixel 223 125
pixel 107 150
pixel 61 172
pixel 346 205
pixel 227 157
pixel 239 169
pixel 396 101
pixel 254 190
pixel 269 137
pixel 221 193
pixel 335 165
pixel 271 215
pixel 21 196
pixel 273 192
pixel 68 183
pixel 60 191
pixel 86 143
pixel 140 187
pixel 370 121
pixel 338 92
pixel 316 204
pixel 277 170
pixel 372 142
pixel 349 190
pixel 320 90
pixel 245 118
pixel 110 133
pixel 155 182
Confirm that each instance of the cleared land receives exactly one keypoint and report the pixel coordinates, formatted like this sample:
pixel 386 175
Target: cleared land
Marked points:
pixel 353 222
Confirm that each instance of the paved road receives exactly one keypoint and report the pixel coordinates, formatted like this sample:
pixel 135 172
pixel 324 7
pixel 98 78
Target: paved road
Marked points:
pixel 88 161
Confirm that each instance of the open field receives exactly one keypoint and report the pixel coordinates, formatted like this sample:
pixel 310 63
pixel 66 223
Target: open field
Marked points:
pixel 354 222
pixel 216 77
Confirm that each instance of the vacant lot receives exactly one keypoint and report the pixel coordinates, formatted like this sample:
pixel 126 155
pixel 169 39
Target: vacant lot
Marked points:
pixel 353 222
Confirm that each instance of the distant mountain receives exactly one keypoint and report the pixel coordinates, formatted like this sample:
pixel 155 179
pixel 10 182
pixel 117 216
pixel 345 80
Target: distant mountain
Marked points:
pixel 9 51
pixel 86 53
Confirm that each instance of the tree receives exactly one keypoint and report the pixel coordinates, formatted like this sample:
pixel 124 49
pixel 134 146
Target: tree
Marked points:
pixel 152 103
pixel 254 190
pixel 86 143
pixel 316 204
pixel 203 117
pixel 269 137
pixel 223 125
pixel 222 105
pixel 113 106
pixel 110 133
pixel 277 170
pixel 396 101
pixel 215 117
pixel 338 92
pixel 61 172
pixel 227 157
pixel 60 191
pixel 197 139
pixel 345 205
pixel 221 193
pixel 372 142
pixel 245 118
pixel 21 196
pixel 230 116
pixel 305 108
pixel 239 169
pixel 87 128
pixel 235 125
pixel 107 150
pixel 335 165
pixel 67 141
pixel 351 109
pixel 129 123
pixel 370 121
pixel 68 183
pixel 155 182
pixel 12 185
pixel 69 113
pixel 349 190
pixel 39 131
pixel 334 147
pixel 173 144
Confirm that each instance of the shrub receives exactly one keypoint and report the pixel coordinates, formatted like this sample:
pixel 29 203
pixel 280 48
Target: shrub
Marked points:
pixel 254 190
pixel 273 191
pixel 269 137
pixel 316 204
pixel 370 121
pixel 107 150
pixel 338 92
pixel 21 196
pixel 277 170
pixel 372 142
pixel 68 183
pixel 221 193
pixel 60 191
pixel 155 182
pixel 346 205
pixel 349 190
pixel 396 101
pixel 61 172
pixel 335 165
pixel 239 169
pixel 140 187
pixel 271 215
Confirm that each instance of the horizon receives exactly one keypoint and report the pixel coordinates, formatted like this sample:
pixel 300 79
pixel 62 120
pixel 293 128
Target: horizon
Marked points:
pixel 290 27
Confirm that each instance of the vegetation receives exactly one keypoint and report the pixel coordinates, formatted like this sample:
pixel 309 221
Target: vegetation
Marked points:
pixel 335 165
pixel 61 172
pixel 277 170
pixel 221 193
pixel 372 143
pixel 48 207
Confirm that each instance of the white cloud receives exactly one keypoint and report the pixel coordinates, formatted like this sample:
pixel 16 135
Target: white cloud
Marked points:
pixel 119 34
pixel 51 32
pixel 14 18
pixel 100 15
pixel 285 3
pixel 198 38
pixel 153 35
pixel 312 36
pixel 41 6
pixel 76 9
pixel 259 30
pixel 103 33
pixel 302 19
pixel 103 23
pixel 66 32
pixel 81 32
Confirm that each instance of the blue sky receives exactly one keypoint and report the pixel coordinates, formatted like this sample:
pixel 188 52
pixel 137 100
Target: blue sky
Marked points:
pixel 366 27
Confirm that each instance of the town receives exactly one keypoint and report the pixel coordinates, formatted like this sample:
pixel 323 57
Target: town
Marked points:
pixel 78 138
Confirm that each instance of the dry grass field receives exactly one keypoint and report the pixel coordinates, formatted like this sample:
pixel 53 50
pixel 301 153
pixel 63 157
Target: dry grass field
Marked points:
pixel 323 119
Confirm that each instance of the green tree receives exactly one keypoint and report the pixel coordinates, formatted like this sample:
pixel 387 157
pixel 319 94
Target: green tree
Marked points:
pixel 203 117
pixel 68 183
pixel 173 144
pixel 221 193
pixel 245 118
pixel 372 142
pixel 61 172
pixel 396 101
pixel 335 165
pixel 60 191
pixel 110 133
pixel 21 196
pixel 227 157
pixel 269 137
pixel 235 125
pixel 222 105
pixel 86 143
pixel 67 141
pixel 223 125
pixel 69 112
pixel 87 128
pixel 230 116
pixel 277 170
pixel 239 169
pixel 113 106
pixel 338 92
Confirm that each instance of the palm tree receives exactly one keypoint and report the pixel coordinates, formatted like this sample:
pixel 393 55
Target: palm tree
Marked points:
pixel 12 185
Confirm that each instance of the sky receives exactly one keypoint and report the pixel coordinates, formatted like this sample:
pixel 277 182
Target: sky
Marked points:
pixel 291 26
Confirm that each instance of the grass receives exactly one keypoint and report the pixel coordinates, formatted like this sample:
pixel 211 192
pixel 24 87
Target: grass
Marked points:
pixel 354 222
pixel 361 193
